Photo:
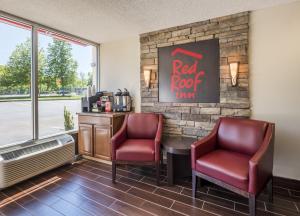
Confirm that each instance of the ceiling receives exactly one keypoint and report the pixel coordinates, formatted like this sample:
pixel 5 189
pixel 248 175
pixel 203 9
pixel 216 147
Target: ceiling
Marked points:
pixel 108 20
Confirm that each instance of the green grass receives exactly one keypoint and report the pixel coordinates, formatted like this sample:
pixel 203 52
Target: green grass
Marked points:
pixel 41 98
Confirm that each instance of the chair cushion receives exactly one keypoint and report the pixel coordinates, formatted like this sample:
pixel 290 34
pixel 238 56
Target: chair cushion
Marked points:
pixel 142 125
pixel 241 135
pixel 136 150
pixel 229 167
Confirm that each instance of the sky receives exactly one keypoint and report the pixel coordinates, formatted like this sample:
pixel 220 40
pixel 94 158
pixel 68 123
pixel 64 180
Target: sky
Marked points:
pixel 10 36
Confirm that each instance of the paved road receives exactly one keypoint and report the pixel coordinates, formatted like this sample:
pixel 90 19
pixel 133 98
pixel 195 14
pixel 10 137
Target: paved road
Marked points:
pixel 15 118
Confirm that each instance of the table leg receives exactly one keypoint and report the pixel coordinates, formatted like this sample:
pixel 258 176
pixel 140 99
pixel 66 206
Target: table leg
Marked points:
pixel 170 169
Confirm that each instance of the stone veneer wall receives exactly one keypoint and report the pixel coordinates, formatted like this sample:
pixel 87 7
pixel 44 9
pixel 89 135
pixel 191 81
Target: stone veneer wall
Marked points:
pixel 197 119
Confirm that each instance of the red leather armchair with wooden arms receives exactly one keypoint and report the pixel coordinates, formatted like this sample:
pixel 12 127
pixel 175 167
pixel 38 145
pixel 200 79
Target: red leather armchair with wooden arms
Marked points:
pixel 138 141
pixel 236 155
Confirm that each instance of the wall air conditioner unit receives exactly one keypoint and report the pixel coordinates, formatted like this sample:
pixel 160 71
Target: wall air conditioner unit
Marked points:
pixel 23 161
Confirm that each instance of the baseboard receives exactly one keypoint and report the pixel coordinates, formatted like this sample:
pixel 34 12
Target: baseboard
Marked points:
pixel 292 184
pixel 96 159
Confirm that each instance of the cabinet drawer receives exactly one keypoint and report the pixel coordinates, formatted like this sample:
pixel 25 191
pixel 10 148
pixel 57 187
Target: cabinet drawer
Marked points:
pixel 94 120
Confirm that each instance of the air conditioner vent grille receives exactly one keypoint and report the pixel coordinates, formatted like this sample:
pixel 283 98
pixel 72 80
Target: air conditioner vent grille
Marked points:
pixel 38 163
pixel 37 157
pixel 29 150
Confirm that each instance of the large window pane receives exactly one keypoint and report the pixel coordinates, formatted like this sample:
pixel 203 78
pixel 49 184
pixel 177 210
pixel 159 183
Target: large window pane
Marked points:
pixel 66 67
pixel 15 76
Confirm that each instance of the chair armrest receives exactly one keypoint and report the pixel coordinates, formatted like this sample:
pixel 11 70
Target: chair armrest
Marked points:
pixel 158 137
pixel 205 145
pixel 119 138
pixel 261 163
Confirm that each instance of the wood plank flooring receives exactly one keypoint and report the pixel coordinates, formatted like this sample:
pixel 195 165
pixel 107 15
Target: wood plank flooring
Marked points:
pixel 85 188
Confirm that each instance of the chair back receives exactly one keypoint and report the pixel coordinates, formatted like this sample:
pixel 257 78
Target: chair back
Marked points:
pixel 142 125
pixel 241 135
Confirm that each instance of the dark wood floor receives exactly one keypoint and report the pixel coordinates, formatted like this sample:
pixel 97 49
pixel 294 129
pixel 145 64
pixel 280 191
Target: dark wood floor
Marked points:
pixel 86 189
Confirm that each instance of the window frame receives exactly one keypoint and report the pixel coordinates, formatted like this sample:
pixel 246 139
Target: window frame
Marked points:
pixel 34 66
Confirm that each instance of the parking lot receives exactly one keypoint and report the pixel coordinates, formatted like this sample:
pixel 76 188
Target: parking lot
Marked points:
pixel 16 120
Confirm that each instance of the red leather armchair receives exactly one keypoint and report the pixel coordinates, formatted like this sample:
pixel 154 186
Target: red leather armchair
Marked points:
pixel 236 155
pixel 138 141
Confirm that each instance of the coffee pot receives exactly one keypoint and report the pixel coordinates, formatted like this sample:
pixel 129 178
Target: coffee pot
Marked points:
pixel 118 100
pixel 122 101
pixel 126 101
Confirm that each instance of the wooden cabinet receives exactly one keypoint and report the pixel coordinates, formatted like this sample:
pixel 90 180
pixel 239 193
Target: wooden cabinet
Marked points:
pixel 102 135
pixel 95 132
pixel 85 137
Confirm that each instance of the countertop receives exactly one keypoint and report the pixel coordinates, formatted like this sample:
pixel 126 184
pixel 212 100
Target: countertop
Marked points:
pixel 103 114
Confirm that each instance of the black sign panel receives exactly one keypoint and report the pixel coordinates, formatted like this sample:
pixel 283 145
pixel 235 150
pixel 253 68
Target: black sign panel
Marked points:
pixel 189 73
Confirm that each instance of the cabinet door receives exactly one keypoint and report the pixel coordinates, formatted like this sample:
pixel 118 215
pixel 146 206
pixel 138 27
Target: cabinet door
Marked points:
pixel 85 139
pixel 102 146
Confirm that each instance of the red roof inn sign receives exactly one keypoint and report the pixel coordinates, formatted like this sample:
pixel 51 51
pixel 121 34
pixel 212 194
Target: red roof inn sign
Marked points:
pixel 189 73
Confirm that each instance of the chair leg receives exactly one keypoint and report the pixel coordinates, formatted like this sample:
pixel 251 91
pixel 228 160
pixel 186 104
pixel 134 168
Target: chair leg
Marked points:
pixel 114 168
pixel 194 184
pixel 161 159
pixel 252 205
pixel 270 190
pixel 157 172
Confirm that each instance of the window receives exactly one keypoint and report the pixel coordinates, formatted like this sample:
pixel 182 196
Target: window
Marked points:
pixel 66 66
pixel 15 73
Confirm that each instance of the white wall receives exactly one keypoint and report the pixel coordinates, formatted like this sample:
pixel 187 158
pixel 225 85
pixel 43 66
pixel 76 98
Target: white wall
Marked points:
pixel 120 67
pixel 275 80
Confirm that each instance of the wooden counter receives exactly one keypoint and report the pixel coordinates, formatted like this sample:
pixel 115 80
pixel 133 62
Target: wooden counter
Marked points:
pixel 95 131
pixel 103 114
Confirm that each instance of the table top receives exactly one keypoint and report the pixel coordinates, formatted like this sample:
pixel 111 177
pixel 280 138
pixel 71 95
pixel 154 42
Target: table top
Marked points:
pixel 177 144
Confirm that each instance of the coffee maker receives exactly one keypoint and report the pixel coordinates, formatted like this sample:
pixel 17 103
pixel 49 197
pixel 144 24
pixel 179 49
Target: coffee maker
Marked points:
pixel 89 102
